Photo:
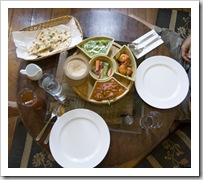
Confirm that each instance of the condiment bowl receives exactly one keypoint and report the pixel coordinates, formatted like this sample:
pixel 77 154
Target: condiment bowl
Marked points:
pixel 96 45
pixel 101 67
pixel 107 91
pixel 126 65
pixel 76 69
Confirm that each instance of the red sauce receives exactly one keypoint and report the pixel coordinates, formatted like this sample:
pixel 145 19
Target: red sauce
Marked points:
pixel 107 90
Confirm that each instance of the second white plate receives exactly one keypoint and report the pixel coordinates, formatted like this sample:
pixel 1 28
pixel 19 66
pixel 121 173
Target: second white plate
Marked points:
pixel 80 138
pixel 161 82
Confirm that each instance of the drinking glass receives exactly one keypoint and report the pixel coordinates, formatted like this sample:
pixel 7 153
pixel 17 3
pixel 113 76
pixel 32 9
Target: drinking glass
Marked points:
pixel 29 98
pixel 50 85
pixel 128 120
pixel 151 120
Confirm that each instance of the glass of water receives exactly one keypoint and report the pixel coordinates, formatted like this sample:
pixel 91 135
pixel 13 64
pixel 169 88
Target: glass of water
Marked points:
pixel 151 120
pixel 50 85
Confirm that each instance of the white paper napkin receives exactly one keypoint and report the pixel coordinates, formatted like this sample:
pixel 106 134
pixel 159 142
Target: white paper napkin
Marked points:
pixel 150 41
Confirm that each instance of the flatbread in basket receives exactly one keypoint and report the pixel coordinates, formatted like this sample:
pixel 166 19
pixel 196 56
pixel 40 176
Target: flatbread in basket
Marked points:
pixel 48 38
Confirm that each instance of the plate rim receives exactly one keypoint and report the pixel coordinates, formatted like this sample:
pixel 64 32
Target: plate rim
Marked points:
pixel 105 138
pixel 170 62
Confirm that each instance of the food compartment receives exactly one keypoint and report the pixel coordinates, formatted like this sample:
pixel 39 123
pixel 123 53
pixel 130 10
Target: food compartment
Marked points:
pixel 126 65
pixel 97 45
pixel 101 67
pixel 107 91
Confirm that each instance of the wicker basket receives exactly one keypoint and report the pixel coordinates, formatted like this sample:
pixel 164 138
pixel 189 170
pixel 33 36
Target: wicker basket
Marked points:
pixel 51 23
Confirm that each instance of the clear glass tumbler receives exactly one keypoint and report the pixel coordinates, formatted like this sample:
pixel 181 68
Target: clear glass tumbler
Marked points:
pixel 50 85
pixel 151 120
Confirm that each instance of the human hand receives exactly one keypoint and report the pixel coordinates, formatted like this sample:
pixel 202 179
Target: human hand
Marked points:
pixel 186 49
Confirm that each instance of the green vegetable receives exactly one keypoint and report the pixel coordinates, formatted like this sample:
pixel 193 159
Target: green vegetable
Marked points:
pixel 97 46
pixel 106 68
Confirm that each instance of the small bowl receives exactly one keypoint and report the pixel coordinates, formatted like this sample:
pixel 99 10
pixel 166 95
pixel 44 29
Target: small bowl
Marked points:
pixel 76 69
pixel 121 89
pixel 106 67
pixel 132 64
pixel 96 43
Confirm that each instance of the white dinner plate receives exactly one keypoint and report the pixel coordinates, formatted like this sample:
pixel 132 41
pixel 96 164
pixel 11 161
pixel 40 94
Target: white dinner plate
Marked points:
pixel 80 138
pixel 161 82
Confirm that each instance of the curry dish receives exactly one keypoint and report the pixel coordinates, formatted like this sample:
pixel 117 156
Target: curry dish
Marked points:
pixel 107 90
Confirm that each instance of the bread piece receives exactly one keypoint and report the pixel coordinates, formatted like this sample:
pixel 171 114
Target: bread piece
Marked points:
pixel 49 40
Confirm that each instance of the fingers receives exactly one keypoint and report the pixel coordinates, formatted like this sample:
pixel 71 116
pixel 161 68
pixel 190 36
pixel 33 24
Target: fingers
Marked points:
pixel 186 49
pixel 189 53
pixel 186 53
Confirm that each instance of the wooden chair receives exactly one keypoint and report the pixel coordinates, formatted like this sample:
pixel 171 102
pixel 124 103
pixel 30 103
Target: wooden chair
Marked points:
pixel 13 114
pixel 12 109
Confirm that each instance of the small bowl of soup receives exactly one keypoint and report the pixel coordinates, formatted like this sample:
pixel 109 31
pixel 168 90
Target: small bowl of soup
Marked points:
pixel 76 69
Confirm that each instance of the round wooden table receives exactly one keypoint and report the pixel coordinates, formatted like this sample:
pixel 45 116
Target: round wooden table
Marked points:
pixel 124 147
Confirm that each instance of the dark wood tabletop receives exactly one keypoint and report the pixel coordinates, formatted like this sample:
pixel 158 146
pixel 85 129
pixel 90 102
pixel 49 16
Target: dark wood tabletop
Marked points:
pixel 124 147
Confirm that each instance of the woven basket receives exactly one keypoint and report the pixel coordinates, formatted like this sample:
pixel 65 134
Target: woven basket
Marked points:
pixel 51 23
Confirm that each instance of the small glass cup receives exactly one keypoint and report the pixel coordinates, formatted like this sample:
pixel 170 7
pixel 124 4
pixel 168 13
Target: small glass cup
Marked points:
pixel 151 120
pixel 52 86
pixel 128 120
pixel 28 98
